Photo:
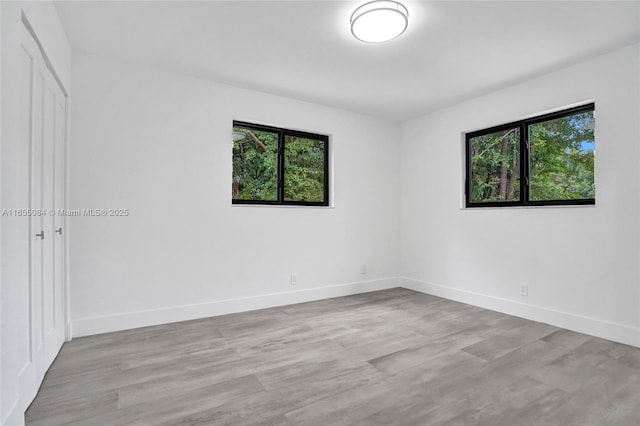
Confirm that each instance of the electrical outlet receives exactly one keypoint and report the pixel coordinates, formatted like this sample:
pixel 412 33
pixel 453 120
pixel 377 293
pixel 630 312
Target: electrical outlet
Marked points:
pixel 524 289
pixel 363 269
pixel 294 279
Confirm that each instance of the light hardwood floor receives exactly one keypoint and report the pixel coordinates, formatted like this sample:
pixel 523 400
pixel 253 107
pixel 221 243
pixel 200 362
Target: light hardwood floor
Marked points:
pixel 393 357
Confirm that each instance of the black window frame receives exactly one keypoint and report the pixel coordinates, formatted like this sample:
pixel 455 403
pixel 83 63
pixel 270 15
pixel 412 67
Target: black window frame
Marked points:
pixel 523 126
pixel 282 134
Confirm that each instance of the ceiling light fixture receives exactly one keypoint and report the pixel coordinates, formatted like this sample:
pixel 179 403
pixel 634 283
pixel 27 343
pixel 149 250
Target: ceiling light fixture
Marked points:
pixel 379 20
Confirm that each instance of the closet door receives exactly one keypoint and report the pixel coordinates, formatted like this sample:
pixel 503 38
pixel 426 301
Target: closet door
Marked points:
pixel 52 189
pixel 45 108
pixel 59 224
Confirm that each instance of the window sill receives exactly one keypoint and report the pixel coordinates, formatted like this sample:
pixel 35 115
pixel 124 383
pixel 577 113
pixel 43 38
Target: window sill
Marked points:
pixel 281 206
pixel 566 206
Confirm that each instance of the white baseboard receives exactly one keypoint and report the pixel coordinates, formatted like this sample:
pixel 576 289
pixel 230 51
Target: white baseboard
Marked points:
pixel 125 321
pixel 594 327
pixel 15 416
pixel 28 385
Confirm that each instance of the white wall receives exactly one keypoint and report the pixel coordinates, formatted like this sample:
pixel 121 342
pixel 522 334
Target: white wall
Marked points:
pixel 159 144
pixel 1 356
pixel 14 190
pixel 581 263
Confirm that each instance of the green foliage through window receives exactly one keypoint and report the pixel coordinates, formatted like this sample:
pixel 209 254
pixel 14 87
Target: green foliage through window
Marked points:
pixel 495 165
pixel 562 155
pixel 304 161
pixel 255 164
pixel 545 160
pixel 279 166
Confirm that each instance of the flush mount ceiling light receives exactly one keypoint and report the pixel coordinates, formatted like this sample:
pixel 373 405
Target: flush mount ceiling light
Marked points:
pixel 379 21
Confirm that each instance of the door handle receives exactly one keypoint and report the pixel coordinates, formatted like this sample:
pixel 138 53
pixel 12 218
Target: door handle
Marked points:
pixel 41 235
pixel 59 231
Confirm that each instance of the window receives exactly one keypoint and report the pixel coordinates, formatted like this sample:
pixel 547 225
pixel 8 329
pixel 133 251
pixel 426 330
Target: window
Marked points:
pixel 279 166
pixel 545 160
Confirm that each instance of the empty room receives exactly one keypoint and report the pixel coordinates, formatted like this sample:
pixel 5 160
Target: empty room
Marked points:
pixel 320 213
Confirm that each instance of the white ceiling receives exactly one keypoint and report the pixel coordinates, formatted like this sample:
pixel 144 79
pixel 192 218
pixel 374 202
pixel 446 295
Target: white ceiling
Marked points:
pixel 452 50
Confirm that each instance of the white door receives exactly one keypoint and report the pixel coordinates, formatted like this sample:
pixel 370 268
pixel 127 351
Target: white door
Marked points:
pixel 54 119
pixel 45 112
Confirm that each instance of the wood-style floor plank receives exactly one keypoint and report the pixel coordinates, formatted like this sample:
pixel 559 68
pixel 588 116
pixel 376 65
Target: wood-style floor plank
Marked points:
pixel 392 357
